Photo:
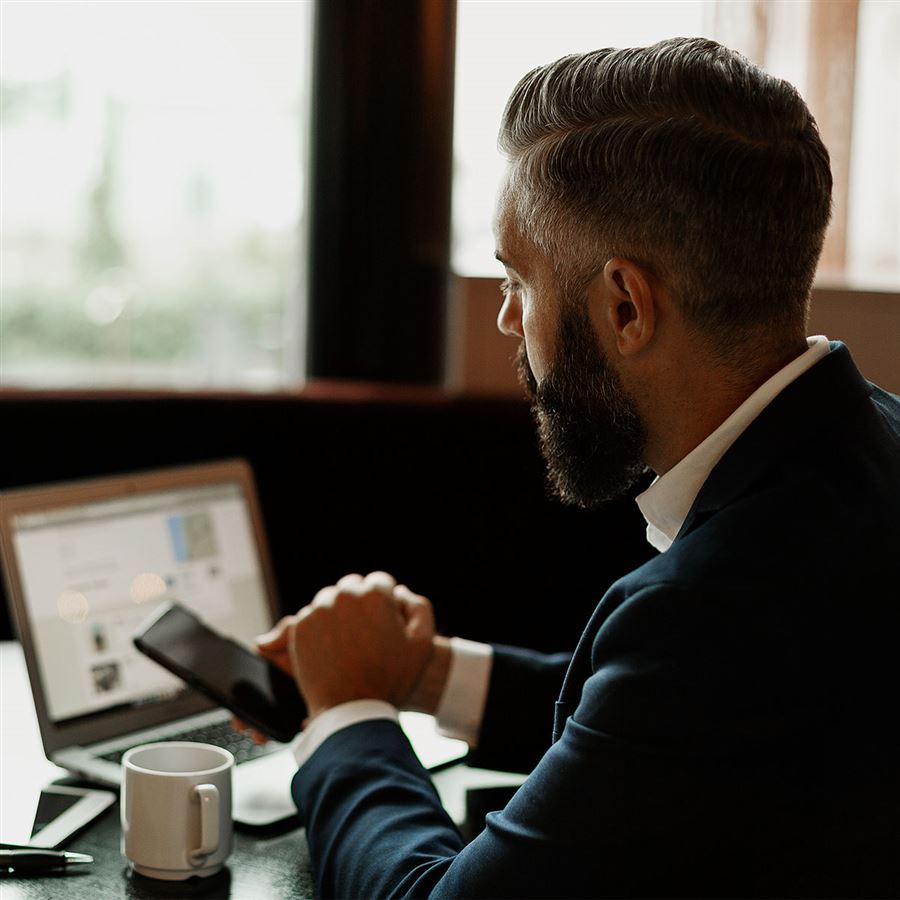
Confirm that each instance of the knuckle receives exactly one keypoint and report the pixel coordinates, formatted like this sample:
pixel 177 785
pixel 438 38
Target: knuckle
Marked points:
pixel 379 580
pixel 325 597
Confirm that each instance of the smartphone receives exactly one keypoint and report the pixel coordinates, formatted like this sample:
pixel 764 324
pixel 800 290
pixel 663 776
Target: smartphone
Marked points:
pixel 254 689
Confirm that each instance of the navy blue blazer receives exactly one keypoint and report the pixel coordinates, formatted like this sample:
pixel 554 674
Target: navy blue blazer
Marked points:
pixel 728 724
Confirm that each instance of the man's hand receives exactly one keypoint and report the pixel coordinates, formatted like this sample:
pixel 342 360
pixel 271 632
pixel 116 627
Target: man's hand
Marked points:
pixel 363 638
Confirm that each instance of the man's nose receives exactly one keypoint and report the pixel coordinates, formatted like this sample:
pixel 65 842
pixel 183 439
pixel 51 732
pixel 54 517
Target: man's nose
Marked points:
pixel 509 319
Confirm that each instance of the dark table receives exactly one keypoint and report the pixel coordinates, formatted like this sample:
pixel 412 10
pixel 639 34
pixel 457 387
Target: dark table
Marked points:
pixel 271 863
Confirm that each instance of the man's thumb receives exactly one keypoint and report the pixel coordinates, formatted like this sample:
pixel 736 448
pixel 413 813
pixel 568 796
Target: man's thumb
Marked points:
pixel 276 637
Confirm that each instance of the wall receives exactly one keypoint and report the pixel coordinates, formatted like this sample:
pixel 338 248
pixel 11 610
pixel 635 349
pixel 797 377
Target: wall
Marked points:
pixel 447 494
pixel 867 321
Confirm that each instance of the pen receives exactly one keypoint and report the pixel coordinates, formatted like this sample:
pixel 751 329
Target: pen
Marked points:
pixel 34 862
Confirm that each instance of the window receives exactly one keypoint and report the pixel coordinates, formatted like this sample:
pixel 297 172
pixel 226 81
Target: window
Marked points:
pixel 153 163
pixel 873 227
pixel 852 86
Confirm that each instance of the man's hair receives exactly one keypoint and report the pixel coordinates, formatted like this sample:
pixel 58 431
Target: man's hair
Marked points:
pixel 685 158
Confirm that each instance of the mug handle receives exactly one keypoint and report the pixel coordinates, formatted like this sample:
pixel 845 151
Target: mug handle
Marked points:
pixel 208 797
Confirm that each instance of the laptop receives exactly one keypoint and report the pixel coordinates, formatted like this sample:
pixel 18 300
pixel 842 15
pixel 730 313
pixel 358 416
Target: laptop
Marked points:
pixel 85 562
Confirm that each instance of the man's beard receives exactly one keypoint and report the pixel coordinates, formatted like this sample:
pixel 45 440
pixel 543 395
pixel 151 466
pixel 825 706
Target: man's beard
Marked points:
pixel 591 435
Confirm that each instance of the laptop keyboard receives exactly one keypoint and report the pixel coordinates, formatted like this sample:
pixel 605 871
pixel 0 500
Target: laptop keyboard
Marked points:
pixel 220 734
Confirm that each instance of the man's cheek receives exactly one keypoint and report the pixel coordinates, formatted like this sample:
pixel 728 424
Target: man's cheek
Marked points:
pixel 526 376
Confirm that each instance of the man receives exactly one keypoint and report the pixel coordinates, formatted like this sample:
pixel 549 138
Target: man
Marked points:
pixel 727 725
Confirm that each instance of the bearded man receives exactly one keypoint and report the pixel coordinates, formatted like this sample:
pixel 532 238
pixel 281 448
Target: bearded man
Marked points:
pixel 727 724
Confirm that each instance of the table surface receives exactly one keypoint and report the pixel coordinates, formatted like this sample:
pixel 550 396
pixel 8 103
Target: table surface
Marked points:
pixel 271 862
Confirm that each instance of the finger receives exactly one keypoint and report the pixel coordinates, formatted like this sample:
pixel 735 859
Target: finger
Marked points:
pixel 402 592
pixel 256 736
pixel 416 610
pixel 325 597
pixel 348 581
pixel 381 582
pixel 292 649
pixel 275 637
pixel 408 599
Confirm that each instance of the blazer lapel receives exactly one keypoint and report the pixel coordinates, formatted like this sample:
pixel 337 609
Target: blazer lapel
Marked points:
pixel 817 402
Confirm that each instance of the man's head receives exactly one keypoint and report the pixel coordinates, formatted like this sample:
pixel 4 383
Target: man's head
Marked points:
pixel 680 169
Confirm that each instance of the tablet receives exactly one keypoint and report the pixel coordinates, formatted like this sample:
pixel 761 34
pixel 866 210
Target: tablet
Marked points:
pixel 60 812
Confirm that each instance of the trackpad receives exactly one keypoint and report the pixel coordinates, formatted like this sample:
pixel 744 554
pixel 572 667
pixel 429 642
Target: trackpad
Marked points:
pixel 262 790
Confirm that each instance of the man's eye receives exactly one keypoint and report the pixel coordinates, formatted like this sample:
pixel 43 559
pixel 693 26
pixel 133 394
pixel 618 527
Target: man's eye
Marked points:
pixel 507 287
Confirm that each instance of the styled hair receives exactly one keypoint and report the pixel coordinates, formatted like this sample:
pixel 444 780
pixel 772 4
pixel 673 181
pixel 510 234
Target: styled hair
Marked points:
pixel 684 157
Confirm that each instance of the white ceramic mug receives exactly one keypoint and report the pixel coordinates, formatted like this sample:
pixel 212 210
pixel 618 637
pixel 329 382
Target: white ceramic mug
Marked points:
pixel 176 809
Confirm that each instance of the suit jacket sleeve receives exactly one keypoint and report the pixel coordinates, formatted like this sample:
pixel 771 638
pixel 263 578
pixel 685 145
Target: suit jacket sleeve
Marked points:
pixel 523 688
pixel 613 807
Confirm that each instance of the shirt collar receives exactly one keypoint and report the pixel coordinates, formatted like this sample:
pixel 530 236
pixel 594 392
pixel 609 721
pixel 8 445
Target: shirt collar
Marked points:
pixel 666 503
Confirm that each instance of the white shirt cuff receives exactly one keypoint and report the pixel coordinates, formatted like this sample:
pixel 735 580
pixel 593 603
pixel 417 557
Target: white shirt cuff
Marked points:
pixel 461 707
pixel 330 721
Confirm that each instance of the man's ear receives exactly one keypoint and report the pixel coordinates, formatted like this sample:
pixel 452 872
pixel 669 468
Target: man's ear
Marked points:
pixel 628 305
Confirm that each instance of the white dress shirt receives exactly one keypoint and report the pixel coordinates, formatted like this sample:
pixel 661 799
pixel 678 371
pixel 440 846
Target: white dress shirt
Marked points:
pixel 664 505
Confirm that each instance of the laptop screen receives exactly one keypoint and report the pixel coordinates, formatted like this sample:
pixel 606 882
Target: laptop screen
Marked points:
pixel 90 573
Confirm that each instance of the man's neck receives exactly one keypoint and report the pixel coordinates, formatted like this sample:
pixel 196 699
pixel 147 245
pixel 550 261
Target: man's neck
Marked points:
pixel 697 399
